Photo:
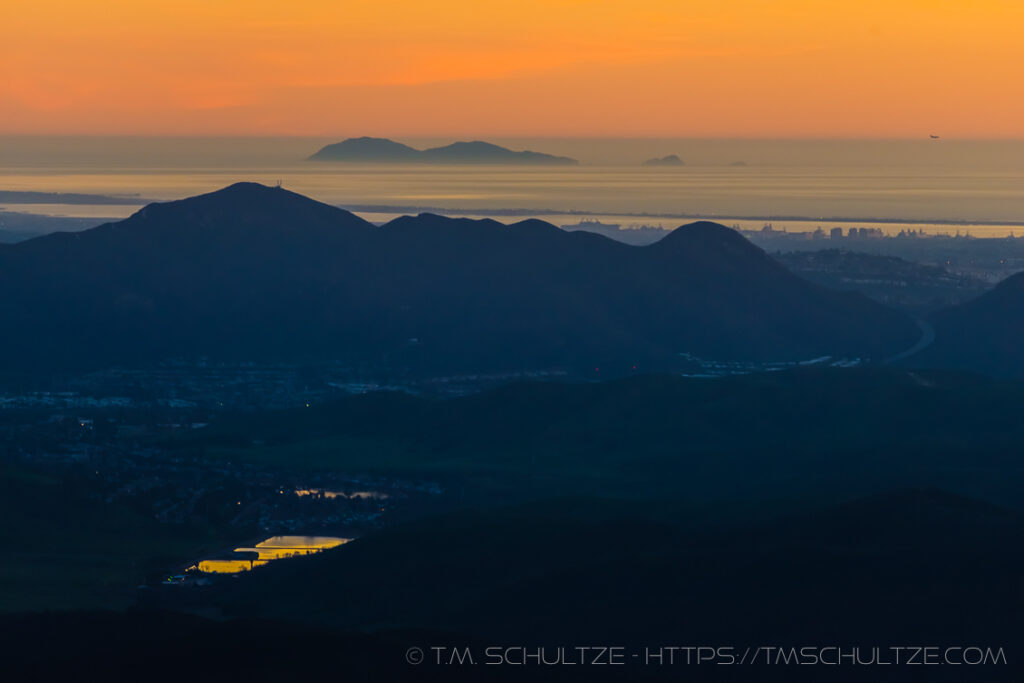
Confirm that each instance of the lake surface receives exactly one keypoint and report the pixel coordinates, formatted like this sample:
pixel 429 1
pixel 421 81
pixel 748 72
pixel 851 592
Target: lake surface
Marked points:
pixel 798 184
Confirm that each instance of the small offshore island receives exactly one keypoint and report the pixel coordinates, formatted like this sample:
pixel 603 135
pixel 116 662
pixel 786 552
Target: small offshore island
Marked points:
pixel 670 160
pixel 384 151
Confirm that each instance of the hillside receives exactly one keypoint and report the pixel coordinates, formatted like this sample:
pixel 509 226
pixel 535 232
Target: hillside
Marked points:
pixel 890 280
pixel 983 334
pixel 257 273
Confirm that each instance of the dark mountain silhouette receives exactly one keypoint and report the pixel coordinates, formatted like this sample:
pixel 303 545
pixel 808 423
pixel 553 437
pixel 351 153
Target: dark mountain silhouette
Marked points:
pixel 380 150
pixel 252 272
pixel 983 334
pixel 670 160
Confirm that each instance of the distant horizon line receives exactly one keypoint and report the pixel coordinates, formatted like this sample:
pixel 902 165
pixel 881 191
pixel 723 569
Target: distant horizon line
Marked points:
pixel 480 136
pixel 91 199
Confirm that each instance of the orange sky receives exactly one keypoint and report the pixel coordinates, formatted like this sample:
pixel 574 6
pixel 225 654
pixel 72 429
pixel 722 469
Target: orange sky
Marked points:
pixel 792 68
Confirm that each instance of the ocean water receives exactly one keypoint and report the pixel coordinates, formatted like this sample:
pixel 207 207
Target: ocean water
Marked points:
pixel 935 185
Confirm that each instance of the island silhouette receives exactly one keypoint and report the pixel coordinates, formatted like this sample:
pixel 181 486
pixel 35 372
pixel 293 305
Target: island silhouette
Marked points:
pixel 669 160
pixel 382 150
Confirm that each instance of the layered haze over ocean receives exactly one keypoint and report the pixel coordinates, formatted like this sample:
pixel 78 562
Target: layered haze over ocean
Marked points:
pixel 938 185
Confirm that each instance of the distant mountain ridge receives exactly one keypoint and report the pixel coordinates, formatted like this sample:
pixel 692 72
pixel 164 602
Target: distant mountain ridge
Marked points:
pixel 896 282
pixel 257 273
pixel 382 150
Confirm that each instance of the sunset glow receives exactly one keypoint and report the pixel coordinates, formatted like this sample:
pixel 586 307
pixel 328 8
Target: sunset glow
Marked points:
pixel 530 67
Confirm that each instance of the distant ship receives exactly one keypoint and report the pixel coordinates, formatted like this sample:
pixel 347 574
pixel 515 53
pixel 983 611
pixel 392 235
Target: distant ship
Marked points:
pixel 592 225
pixel 934 137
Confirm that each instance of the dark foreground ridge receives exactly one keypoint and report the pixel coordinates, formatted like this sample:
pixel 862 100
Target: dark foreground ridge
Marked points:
pixel 907 569
pixel 813 508
pixel 380 150
pixel 258 273
pixel 532 572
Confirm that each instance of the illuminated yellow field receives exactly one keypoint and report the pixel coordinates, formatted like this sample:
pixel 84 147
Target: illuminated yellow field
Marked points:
pixel 225 566
pixel 274 548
